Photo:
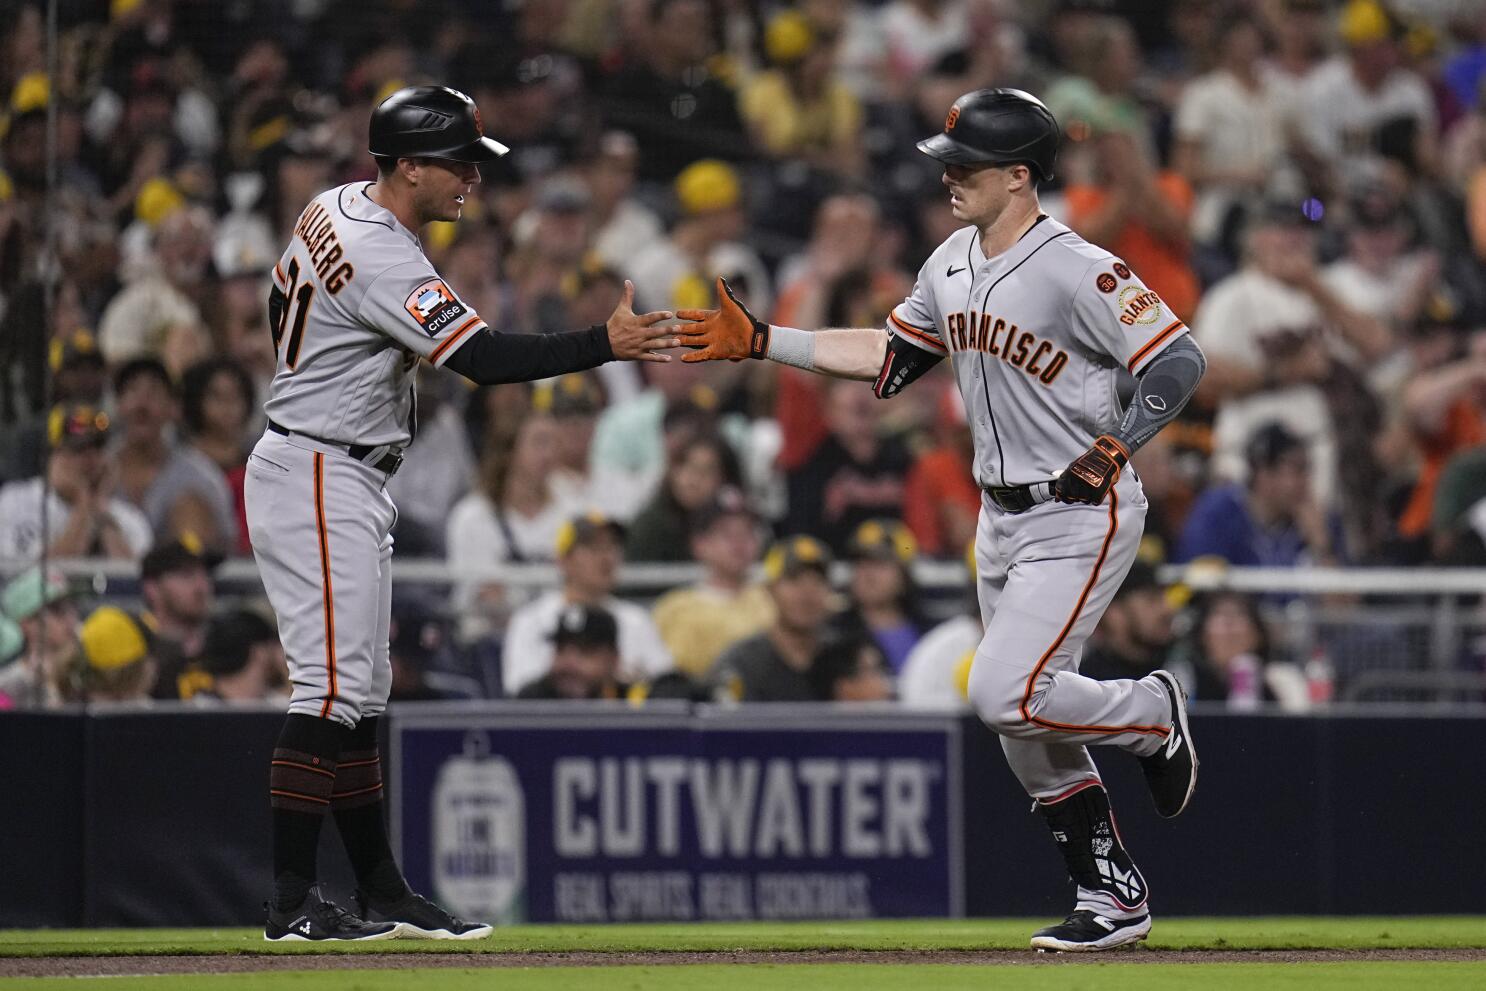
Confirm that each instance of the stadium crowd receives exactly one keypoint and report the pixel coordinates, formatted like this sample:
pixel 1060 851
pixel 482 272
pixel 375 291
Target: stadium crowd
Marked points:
pixel 1303 181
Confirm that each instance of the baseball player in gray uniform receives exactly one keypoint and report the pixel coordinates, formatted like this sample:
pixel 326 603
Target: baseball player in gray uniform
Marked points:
pixel 354 306
pixel 1045 333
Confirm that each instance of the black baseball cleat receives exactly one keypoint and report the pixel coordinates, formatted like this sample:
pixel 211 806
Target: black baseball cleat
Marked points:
pixel 1089 932
pixel 316 919
pixel 1171 772
pixel 420 918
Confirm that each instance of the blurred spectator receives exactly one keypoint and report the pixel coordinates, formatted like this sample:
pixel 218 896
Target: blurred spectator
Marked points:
pixel 1379 274
pixel 1301 32
pixel 585 658
pixel 181 491
pixel 510 516
pixel 589 553
pixel 678 271
pixel 178 591
pixel 422 656
pixel 78 376
pixel 937 671
pixel 1445 407
pixel 850 670
pixel 775 664
pixel 573 401
pixel 1459 522
pixel 798 109
pixel 1138 212
pixel 700 467
pixel 1230 134
pixel 669 98
pixel 1106 66
pixel 1135 635
pixel 1272 520
pixel 83 517
pixel 244 660
pixel 158 314
pixel 1231 657
pixel 917 34
pixel 623 225
pixel 635 440
pixel 883 599
pixel 437 469
pixel 217 402
pixel 1465 72
pixel 700 621
pixel 1365 103
pixel 941 502
pixel 41 606
pixel 1269 332
pixel 114 660
pixel 854 476
pixel 841 279
pixel 596 289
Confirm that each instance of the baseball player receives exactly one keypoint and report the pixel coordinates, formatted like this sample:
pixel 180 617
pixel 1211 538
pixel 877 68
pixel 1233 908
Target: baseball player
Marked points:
pixel 1045 332
pixel 354 305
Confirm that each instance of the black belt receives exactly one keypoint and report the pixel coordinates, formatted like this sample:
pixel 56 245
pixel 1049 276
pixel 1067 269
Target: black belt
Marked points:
pixel 1020 498
pixel 390 461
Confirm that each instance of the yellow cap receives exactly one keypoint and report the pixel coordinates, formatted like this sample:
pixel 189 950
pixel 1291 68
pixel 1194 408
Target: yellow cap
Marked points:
pixel 795 554
pixel 31 92
pixel 158 198
pixel 788 38
pixel 584 527
pixel 708 185
pixel 887 540
pixel 1364 22
pixel 118 8
pixel 112 639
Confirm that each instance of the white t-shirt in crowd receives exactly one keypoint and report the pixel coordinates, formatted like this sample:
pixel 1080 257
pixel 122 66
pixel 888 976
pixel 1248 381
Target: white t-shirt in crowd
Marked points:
pixel 527 651
pixel 1235 321
pixel 935 670
pixel 1235 128
pixel 20 520
pixel 1339 118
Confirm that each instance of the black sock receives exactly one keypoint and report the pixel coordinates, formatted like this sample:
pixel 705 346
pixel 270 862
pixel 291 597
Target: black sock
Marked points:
pixel 300 780
pixel 359 815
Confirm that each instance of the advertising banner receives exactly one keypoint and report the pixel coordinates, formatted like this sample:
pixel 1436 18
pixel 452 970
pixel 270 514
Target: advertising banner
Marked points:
pixel 586 815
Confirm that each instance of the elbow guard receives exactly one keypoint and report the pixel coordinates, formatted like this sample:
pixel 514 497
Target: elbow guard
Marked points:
pixel 902 365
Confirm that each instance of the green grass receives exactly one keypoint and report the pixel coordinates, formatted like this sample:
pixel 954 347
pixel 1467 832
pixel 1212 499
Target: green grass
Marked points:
pixel 1277 933
pixel 837 977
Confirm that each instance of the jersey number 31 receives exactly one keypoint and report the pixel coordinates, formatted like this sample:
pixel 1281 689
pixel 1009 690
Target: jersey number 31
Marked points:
pixel 278 312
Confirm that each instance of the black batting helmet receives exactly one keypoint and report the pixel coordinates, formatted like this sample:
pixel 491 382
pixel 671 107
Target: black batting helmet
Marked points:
pixel 997 126
pixel 431 122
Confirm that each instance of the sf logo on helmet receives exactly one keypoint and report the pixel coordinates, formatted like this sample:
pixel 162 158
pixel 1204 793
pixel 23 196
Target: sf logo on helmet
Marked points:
pixel 949 122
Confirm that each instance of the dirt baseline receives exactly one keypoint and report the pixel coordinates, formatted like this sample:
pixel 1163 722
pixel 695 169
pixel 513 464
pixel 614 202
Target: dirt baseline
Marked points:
pixel 119 966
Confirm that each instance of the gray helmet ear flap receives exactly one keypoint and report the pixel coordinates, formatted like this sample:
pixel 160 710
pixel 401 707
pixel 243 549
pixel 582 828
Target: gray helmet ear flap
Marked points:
pixel 997 127
pixel 431 122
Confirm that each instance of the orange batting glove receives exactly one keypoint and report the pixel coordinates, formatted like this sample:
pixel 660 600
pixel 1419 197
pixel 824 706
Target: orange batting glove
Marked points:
pixel 729 331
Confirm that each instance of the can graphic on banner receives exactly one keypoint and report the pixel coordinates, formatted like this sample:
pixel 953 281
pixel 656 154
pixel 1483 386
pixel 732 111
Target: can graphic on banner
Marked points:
pixel 479 836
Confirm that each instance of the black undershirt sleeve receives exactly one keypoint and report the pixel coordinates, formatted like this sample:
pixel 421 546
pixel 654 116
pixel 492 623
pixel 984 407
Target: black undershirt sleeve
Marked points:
pixel 901 365
pixel 488 358
pixel 1161 391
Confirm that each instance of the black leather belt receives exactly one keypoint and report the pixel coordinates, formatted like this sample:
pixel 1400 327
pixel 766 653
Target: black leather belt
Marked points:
pixel 1020 498
pixel 389 461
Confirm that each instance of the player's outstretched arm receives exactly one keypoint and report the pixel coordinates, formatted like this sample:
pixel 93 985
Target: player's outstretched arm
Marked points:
pixel 731 332
pixel 488 358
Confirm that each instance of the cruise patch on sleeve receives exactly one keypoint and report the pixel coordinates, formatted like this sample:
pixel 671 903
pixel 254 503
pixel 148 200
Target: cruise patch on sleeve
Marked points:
pixel 434 307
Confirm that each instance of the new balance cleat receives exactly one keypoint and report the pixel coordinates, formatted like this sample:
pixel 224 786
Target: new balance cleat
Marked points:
pixel 1171 772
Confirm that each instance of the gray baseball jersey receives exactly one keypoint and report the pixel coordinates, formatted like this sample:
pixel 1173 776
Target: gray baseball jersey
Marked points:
pixel 1040 338
pixel 363 305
